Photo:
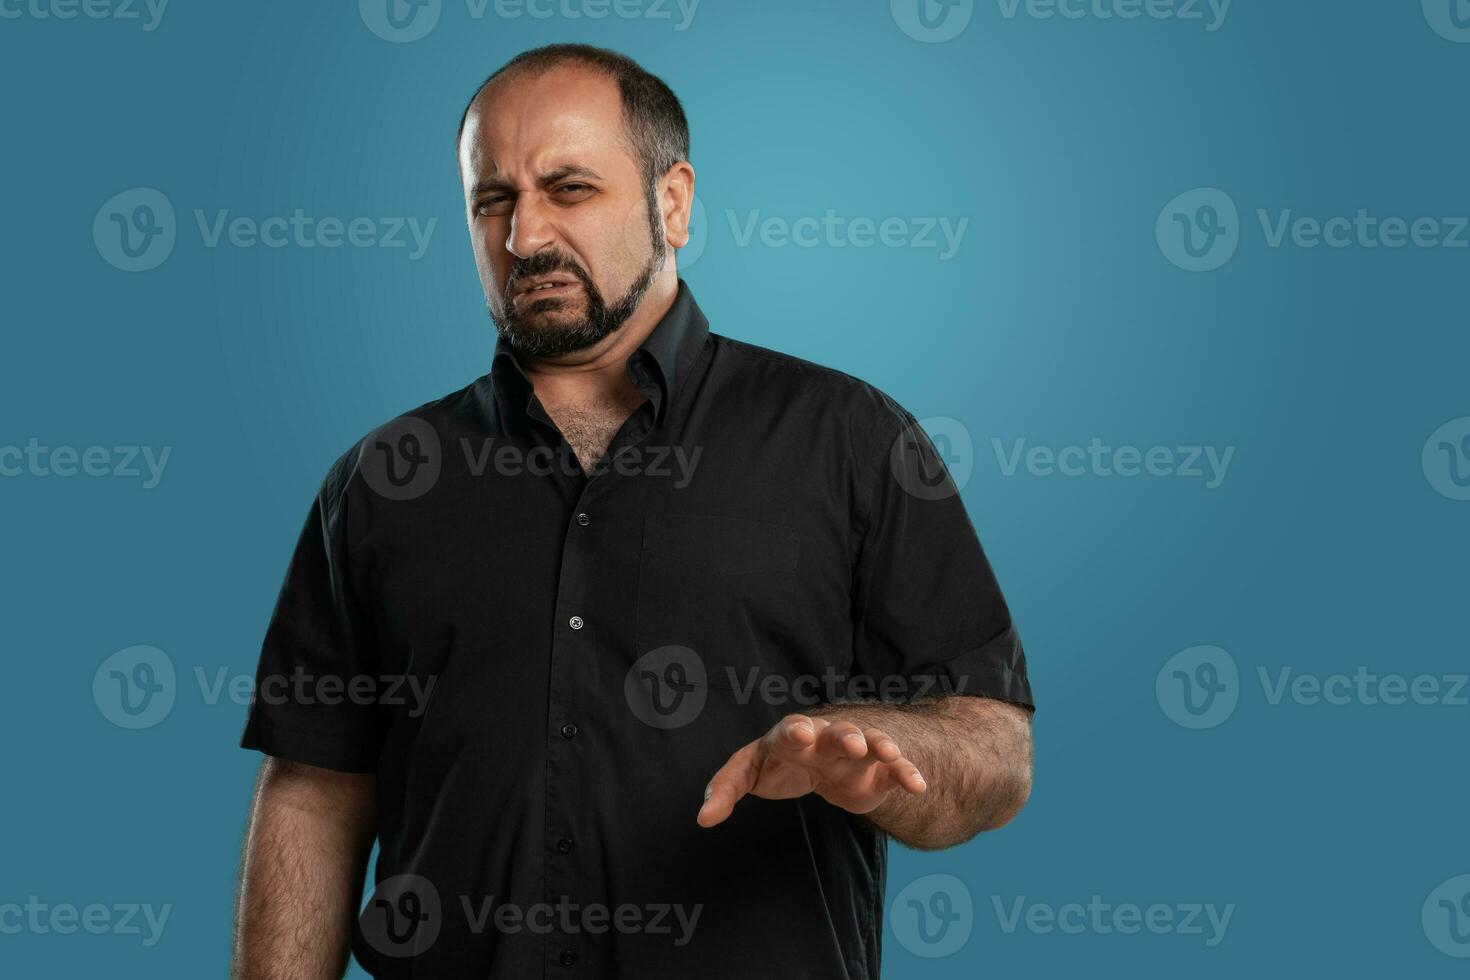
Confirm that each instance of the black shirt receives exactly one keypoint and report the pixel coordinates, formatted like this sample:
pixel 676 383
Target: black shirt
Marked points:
pixel 544 669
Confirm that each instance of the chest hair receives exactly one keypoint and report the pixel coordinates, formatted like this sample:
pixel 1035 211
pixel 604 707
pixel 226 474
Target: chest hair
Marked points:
pixel 589 427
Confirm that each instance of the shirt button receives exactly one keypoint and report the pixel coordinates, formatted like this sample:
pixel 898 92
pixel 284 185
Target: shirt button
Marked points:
pixel 575 622
pixel 568 957
pixel 583 520
pixel 568 730
pixel 564 845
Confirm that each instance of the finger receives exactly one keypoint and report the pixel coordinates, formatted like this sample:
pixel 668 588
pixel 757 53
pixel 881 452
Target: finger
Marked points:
pixel 842 740
pixel 881 745
pixel 793 736
pixel 732 781
pixel 907 775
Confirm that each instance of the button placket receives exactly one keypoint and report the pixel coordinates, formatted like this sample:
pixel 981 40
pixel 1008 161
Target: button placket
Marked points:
pixel 572 643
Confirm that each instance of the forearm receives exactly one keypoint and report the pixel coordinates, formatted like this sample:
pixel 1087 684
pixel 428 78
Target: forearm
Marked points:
pixel 974 754
pixel 306 845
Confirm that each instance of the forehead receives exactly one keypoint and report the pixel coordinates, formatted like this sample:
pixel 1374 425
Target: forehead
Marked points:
pixel 525 124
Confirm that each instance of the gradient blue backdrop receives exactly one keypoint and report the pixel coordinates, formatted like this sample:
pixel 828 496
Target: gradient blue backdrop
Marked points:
pixel 1060 318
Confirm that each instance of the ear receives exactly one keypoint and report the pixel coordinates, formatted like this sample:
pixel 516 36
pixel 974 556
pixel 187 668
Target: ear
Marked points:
pixel 676 202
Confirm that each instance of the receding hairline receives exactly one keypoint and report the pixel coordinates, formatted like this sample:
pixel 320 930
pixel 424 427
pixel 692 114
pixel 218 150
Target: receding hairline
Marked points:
pixel 534 72
pixel 654 130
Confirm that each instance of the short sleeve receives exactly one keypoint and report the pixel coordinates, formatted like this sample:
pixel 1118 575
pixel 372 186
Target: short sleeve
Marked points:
pixel 315 686
pixel 929 615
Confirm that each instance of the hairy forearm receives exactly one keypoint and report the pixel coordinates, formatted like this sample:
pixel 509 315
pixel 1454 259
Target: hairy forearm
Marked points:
pixel 306 845
pixel 974 754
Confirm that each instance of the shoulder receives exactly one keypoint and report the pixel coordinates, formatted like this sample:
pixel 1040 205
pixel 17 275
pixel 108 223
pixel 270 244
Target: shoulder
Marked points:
pixel 864 417
pixel 428 427
pixel 793 378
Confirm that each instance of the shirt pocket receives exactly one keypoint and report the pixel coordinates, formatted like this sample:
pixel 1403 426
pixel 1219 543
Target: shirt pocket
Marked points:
pixel 722 587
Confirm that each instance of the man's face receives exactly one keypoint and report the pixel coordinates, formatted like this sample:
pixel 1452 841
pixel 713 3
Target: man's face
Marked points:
pixel 555 199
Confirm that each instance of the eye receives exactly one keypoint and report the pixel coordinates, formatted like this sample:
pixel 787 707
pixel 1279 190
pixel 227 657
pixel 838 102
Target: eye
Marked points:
pixel 574 191
pixel 500 204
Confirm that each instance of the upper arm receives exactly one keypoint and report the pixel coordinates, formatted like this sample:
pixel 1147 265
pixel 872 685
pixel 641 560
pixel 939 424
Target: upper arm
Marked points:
pixel 318 671
pixel 926 601
pixel 347 798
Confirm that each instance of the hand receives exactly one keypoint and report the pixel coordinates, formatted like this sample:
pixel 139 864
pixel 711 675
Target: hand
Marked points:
pixel 851 767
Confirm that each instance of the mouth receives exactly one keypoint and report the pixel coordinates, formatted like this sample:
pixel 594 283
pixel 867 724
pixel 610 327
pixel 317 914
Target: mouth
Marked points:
pixel 544 287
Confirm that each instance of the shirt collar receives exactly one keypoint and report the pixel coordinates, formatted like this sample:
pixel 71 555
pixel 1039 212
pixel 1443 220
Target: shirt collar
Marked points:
pixel 657 368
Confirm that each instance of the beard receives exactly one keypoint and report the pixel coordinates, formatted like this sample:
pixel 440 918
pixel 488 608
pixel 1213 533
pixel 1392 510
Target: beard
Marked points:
pixel 543 327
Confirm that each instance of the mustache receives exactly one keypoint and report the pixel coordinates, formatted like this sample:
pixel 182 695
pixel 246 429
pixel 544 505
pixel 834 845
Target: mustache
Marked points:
pixel 543 265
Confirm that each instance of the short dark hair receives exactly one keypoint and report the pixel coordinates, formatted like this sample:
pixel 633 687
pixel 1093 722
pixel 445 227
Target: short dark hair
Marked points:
pixel 653 118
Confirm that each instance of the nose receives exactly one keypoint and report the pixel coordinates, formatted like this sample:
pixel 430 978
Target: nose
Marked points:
pixel 530 227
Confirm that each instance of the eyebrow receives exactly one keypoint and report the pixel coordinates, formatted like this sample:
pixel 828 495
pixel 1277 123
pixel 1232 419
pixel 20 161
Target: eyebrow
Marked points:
pixel 552 176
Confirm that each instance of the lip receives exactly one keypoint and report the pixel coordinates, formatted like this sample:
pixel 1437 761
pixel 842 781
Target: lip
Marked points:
pixel 562 285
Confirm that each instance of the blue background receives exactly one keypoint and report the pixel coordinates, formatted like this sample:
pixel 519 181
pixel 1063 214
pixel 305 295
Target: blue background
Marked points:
pixel 1061 318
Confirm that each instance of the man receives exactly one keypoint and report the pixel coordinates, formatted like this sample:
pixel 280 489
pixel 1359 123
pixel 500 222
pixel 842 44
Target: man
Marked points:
pixel 633 653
